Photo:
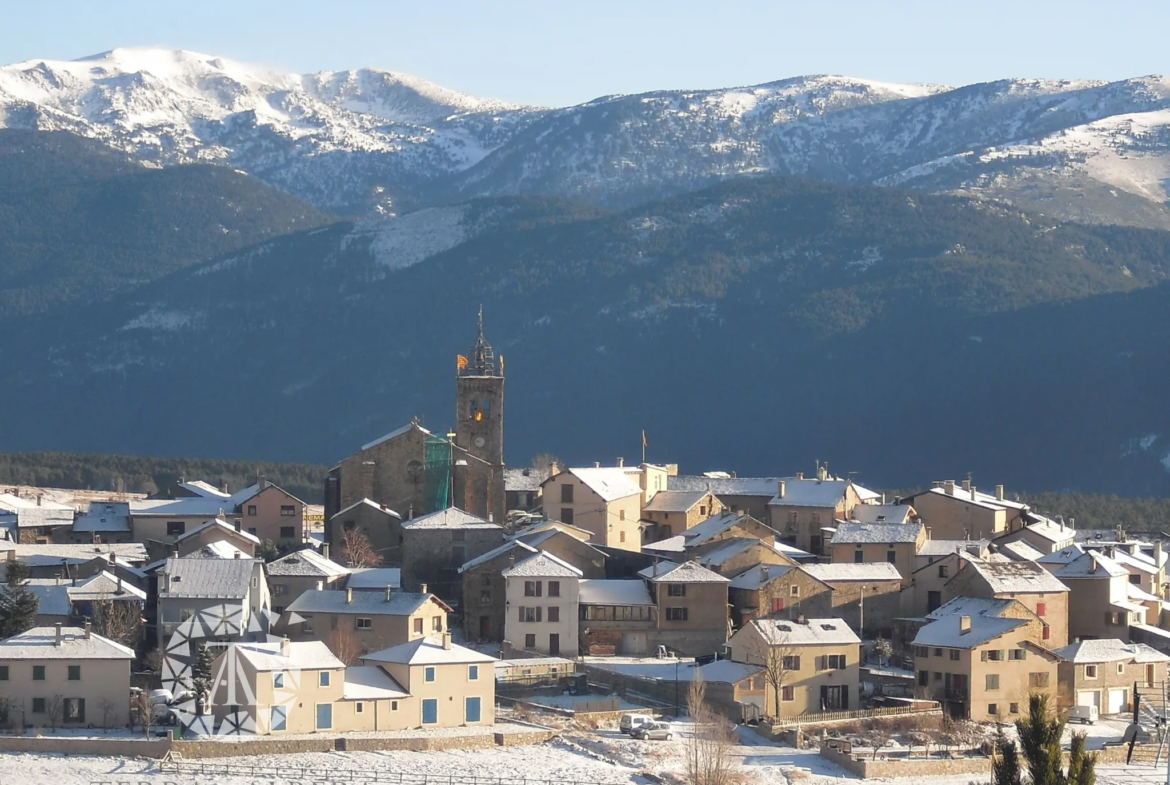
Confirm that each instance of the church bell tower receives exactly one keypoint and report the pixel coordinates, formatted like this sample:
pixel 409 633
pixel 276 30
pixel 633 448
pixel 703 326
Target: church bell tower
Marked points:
pixel 479 430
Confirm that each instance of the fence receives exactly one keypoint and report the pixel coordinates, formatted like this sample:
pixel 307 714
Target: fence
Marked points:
pixel 323 776
pixel 923 707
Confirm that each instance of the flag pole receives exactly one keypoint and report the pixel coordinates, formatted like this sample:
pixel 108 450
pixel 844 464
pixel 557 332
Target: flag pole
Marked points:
pixel 643 445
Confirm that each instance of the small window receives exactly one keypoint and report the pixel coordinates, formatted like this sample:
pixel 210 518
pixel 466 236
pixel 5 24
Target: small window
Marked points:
pixel 485 597
pixel 530 641
pixel 1120 668
pixel 938 652
pixel 795 591
pixel 993 709
pixel 566 494
pixel 554 588
pixel 942 571
pixel 1041 608
pixel 436 624
pixel 554 613
pixel 791 662
pixel 306 624
pixel 892 557
pixel 365 624
pixel 38 705
pixel 1047 632
pixel 1090 671
pixel 279 718
pixel 175 528
pixel 836 661
pixel 621 515
pixel 279 589
pixel 429 674
pixel 74 673
pixel 532 588
pixel 1017 654
pixel 393 705
pixel 252 530
pixel 676 614
pixel 992 682
pixel 38 673
pixel 288 510
pixel 1014 708
pixel 288 532
pixel 621 537
pixel 567 515
pixel 955 654
pixel 418 626
pixel 702 509
pixel 923 678
pixel 858 557
pixel 251 509
pixel 324 716
pixel 3 673
pixel 278 681
pixel 676 590
pixel 787 693
pixel 472 672
pixel 323 679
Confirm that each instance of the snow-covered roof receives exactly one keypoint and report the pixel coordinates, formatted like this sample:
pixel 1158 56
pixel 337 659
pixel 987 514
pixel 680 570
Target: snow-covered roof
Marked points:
pixel 655 568
pixel 975 497
pixel 450 518
pixel 221 524
pixel 1063 556
pixel 1017 577
pixel 1109 650
pixel 723 550
pixel 724 486
pixel 809 493
pixel 1097 537
pixel 882 513
pixel 1051 530
pixel 675 501
pixel 713 527
pixel 40 643
pixel 18 504
pixel 370 578
pixel 972 606
pixel 675 544
pixel 947 547
pixel 610 483
pixel 549 528
pixel 523 479
pixel 813 632
pixel 528 662
pixel 1137 594
pixel 52 597
pixel 370 603
pixel 760 575
pixel 873 533
pixel 729 672
pixel 394 433
pixel 207 578
pixel 848 571
pixel 946 631
pixel 104 586
pixel 204 489
pixel 542 565
pixel 1134 562
pixel 520 547
pixel 307 563
pixel 46 555
pixel 595 591
pixel 104 517
pixel 687 572
pixel 1020 550
pixel 368 503
pixel 428 651
pixel 369 682
pixel 299 656
pixel 1092 564
pixel 792 552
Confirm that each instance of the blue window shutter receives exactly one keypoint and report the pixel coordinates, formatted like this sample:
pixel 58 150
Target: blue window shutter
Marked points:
pixel 472 712
pixel 430 708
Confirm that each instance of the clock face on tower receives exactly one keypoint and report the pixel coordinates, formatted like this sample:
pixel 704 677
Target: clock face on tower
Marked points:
pixel 479 441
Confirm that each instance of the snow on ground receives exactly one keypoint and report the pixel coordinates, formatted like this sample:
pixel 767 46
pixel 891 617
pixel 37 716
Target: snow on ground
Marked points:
pixel 572 701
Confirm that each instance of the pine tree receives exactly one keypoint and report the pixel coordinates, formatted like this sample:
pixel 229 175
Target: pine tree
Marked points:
pixel 1005 765
pixel 201 678
pixel 18 605
pixel 1040 742
pixel 1081 765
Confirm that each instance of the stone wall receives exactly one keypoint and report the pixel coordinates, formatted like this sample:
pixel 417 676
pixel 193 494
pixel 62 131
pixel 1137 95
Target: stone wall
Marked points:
pixel 70 745
pixel 862 766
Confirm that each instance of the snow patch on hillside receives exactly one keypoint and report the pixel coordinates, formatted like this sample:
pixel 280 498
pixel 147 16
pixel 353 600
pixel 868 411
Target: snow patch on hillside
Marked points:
pixel 158 318
pixel 397 243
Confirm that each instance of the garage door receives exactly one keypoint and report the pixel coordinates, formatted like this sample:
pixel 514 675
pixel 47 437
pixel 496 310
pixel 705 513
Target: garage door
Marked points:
pixel 1089 698
pixel 1117 701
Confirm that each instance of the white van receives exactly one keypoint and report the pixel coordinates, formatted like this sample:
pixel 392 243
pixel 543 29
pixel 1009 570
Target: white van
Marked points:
pixel 631 722
pixel 1085 714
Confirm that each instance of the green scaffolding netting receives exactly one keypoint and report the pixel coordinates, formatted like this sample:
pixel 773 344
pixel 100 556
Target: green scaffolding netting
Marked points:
pixel 438 468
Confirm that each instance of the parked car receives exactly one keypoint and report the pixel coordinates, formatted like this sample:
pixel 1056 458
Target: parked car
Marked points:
pixel 1084 714
pixel 631 722
pixel 658 731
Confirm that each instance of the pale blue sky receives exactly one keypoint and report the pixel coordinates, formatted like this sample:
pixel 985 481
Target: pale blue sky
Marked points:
pixel 554 52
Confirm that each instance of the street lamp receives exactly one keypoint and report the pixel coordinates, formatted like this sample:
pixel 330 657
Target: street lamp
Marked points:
pixel 676 706
pixel 861 632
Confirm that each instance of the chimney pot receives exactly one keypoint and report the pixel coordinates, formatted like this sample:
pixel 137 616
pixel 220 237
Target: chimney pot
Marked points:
pixel 763 572
pixel 87 629
pixel 800 475
pixel 621 462
pixel 325 550
pixel 423 588
pixel 964 624
pixel 949 487
pixel 447 641
pixel 285 645
pixel 1092 563
pixel 389 593
pixel 781 488
pixel 999 492
pixel 966 485
pixel 348 596
pixel 973 497
pixel 58 626
pixel 597 464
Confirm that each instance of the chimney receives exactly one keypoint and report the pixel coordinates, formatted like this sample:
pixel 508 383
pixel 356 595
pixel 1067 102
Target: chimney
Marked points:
pixel 553 469
pixel 389 593
pixel 166 583
pixel 320 585
pixel 236 524
pixel 801 620
pixel 325 550
pixel 780 489
pixel 949 487
pixel 447 641
pixel 1072 523
pixel 348 596
pixel 973 497
pixel 621 463
pixel 999 492
pixel 764 572
pixel 58 626
pixel 39 497
pixel 119 589
pixel 284 646
pixel 1092 563
pixel 800 475
pixel 87 630
pixel 422 588
pixel 964 625
pixel 1158 554
pixel 597 464
pixel 223 486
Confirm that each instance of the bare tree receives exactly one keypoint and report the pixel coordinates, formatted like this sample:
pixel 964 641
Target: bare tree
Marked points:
pixel 118 620
pixel 345 646
pixel 544 464
pixel 780 660
pixel 709 757
pixel 143 707
pixel 55 710
pixel 107 708
pixel 153 660
pixel 357 550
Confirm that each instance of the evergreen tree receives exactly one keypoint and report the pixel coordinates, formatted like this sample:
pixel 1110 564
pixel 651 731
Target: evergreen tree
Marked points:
pixel 18 605
pixel 1005 765
pixel 201 678
pixel 1040 742
pixel 1081 765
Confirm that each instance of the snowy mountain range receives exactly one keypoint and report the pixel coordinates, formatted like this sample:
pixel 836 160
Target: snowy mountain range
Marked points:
pixel 367 141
